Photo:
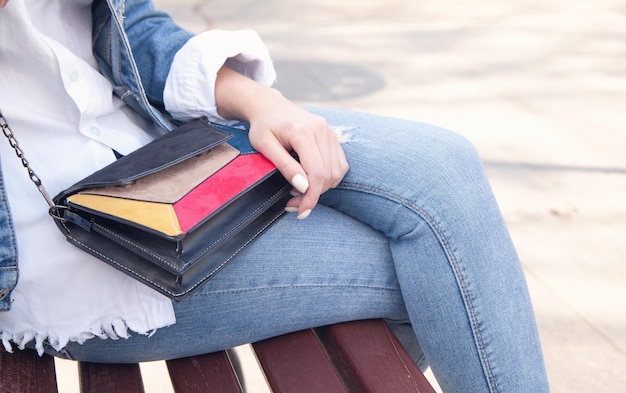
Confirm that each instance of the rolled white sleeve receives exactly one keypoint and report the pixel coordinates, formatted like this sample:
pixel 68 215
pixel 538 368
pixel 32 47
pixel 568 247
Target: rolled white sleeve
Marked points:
pixel 190 86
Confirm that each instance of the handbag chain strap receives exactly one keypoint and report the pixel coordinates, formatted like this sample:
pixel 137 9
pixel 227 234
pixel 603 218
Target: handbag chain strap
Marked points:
pixel 8 133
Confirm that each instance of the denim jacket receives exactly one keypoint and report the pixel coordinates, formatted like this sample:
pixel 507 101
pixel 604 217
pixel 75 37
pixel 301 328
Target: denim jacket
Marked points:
pixel 134 45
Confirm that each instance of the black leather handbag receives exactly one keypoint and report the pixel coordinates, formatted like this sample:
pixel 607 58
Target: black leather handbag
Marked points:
pixel 174 212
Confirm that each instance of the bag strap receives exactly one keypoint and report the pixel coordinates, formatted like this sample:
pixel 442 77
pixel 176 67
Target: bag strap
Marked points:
pixel 8 133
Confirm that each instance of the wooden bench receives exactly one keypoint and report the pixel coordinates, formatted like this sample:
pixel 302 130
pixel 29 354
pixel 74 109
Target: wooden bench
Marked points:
pixel 355 357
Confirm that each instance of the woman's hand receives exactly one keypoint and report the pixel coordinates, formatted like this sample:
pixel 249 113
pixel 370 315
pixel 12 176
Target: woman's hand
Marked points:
pixel 279 128
pixel 3 3
pixel 283 127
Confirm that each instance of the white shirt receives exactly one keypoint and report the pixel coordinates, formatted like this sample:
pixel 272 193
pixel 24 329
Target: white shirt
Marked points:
pixel 67 121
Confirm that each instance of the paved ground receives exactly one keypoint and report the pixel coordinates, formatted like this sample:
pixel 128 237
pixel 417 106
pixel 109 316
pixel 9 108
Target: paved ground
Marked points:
pixel 538 86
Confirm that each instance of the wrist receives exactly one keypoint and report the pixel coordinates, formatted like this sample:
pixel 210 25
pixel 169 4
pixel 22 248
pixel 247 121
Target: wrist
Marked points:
pixel 259 102
pixel 240 98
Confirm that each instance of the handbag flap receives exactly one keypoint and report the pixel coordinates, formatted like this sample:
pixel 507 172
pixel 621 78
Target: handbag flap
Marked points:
pixel 186 141
pixel 173 183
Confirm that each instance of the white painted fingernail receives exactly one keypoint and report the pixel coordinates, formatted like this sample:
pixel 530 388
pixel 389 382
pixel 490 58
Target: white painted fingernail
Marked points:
pixel 300 183
pixel 304 214
pixel 290 209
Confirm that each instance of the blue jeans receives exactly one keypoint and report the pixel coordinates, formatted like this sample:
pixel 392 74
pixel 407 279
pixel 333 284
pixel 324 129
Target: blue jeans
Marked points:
pixel 413 234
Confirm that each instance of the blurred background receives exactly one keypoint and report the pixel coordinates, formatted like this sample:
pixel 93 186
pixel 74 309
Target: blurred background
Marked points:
pixel 538 86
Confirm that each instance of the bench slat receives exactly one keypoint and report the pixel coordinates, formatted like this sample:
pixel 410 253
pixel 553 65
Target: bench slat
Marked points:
pixel 105 378
pixel 297 363
pixel 24 371
pixel 211 373
pixel 357 357
pixel 371 359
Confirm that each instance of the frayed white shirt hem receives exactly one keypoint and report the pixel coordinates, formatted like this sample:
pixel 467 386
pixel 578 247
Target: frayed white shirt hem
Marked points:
pixel 107 328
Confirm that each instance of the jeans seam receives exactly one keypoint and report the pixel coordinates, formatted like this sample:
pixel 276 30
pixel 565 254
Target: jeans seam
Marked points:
pixel 279 287
pixel 465 293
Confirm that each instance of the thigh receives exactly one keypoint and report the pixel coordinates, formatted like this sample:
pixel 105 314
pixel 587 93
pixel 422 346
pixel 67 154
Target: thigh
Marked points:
pixel 399 168
pixel 426 189
pixel 300 274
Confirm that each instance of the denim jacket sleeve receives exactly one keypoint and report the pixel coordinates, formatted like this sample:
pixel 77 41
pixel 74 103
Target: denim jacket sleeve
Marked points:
pixel 135 46
pixel 8 251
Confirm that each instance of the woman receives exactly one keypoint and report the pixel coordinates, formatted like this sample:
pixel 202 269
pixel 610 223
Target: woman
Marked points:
pixel 391 219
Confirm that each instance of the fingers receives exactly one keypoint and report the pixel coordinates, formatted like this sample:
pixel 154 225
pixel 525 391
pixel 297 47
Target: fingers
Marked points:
pixel 274 150
pixel 322 162
pixel 269 145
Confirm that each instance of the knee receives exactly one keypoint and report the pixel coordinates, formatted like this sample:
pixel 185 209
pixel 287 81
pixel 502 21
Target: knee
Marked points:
pixel 448 154
pixel 462 154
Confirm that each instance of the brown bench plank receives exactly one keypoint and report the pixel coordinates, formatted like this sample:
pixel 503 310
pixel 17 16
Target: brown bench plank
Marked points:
pixel 24 371
pixel 211 373
pixel 106 378
pixel 296 363
pixel 363 357
pixel 371 359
